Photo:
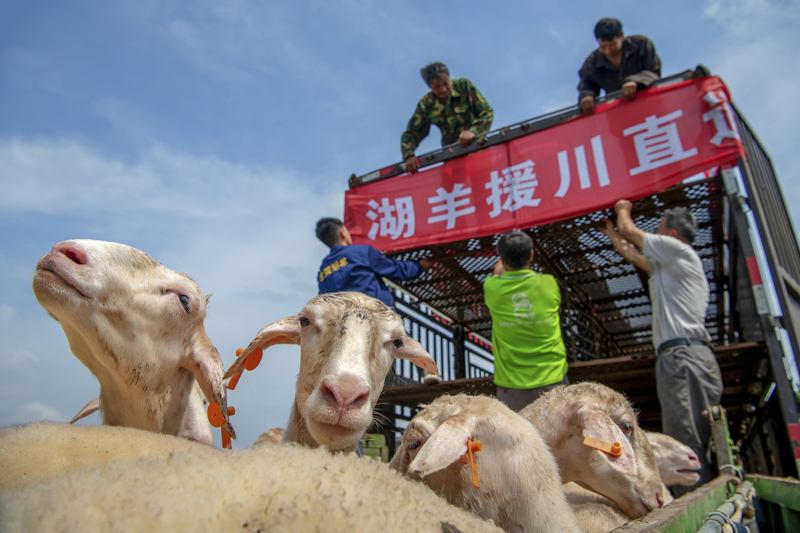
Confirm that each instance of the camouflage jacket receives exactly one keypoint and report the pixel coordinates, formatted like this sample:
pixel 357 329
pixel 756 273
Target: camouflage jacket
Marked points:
pixel 466 109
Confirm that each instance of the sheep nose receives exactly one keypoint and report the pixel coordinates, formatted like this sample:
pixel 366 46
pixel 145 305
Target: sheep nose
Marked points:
pixel 345 396
pixel 693 457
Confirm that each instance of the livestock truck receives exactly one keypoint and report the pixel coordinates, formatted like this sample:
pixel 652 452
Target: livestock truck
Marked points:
pixel 681 142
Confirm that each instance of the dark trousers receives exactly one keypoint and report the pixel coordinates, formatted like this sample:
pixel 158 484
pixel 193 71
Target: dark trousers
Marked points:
pixel 689 382
pixel 517 399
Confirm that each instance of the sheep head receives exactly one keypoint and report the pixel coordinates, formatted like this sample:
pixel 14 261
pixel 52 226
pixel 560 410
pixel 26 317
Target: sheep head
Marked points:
pixel 348 342
pixel 519 486
pixel 677 463
pixel 568 414
pixel 138 327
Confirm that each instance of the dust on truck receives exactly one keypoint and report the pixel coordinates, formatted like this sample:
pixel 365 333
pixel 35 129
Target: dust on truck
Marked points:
pixel 682 142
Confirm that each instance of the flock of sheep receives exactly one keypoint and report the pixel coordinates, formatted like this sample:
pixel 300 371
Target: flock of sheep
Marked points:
pixel 138 326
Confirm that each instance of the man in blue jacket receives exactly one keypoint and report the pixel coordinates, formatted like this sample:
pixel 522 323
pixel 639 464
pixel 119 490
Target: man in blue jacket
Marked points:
pixel 359 267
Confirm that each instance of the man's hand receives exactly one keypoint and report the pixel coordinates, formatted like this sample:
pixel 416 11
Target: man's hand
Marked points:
pixel 426 264
pixel 587 105
pixel 499 268
pixel 607 227
pixel 629 90
pixel 623 206
pixel 465 137
pixel 412 164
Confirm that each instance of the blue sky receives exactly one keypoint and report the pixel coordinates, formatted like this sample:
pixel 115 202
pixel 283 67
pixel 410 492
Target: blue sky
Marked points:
pixel 213 134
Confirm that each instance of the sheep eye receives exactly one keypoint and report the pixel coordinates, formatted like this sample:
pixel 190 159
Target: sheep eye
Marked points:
pixel 304 321
pixel 185 303
pixel 398 343
pixel 414 444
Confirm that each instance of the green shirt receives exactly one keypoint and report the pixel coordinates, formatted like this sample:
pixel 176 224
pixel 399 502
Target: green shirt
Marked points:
pixel 526 330
pixel 465 109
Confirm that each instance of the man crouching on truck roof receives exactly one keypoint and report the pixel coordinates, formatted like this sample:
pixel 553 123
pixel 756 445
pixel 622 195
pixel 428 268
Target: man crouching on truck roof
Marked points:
pixel 627 63
pixel 456 106
pixel 688 378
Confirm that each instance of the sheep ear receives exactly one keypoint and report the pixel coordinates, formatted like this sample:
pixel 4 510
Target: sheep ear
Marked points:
pixel 284 331
pixel 600 426
pixel 86 410
pixel 202 358
pixel 414 352
pixel 446 446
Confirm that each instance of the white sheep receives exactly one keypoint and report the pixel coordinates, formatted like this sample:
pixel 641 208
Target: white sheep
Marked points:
pixel 519 486
pixel 271 436
pixel 138 327
pixel 290 488
pixel 677 463
pixel 44 450
pixel 348 342
pixel 567 414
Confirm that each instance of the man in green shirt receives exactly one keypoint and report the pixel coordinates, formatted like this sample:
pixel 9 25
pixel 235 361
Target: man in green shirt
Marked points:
pixel 455 106
pixel 529 354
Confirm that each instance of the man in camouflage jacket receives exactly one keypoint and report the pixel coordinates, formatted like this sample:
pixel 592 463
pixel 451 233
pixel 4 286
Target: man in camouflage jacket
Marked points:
pixel 456 106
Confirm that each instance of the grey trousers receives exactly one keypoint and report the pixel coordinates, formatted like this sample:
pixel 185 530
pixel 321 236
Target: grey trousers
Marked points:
pixel 689 382
pixel 516 399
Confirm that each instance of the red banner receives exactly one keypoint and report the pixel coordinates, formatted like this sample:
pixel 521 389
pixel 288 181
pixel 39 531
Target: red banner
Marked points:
pixel 625 150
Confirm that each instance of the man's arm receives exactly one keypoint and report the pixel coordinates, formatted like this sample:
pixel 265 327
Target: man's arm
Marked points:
pixel 395 269
pixel 499 268
pixel 627 250
pixel 627 228
pixel 651 64
pixel 418 128
pixel 482 112
pixel 588 88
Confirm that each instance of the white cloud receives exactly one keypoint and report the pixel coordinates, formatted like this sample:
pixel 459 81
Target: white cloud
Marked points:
pixel 7 314
pixel 38 411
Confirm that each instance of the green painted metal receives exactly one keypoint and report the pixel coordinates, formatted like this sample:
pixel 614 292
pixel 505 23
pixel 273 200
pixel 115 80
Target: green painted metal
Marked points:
pixel 783 491
pixel 780 501
pixel 687 513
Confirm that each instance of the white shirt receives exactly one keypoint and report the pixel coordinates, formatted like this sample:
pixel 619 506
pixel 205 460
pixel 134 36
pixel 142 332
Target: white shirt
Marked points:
pixel 678 289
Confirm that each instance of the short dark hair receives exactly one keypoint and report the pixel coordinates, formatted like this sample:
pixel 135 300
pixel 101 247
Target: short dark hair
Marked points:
pixel 607 28
pixel 683 221
pixel 434 71
pixel 515 248
pixel 328 231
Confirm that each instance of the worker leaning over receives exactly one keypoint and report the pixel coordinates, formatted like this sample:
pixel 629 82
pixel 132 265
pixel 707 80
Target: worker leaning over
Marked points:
pixel 456 106
pixel 627 63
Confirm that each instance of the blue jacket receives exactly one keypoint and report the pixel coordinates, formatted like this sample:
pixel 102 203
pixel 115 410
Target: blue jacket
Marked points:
pixel 359 268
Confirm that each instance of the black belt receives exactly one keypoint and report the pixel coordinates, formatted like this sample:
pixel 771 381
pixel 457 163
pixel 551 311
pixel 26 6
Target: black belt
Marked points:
pixel 666 345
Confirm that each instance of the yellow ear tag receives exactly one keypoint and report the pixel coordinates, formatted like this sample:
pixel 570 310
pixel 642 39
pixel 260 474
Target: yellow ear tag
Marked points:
pixel 469 459
pixel 611 448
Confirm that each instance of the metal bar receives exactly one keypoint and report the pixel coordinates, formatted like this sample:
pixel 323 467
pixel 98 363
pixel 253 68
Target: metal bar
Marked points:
pixel 504 134
pixel 688 512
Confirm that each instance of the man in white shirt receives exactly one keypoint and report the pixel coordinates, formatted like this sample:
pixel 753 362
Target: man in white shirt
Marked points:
pixel 688 378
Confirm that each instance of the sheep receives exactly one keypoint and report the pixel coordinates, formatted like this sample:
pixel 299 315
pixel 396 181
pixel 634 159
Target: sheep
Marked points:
pixel 291 488
pixel 271 436
pixel 676 461
pixel 676 465
pixel 519 485
pixel 567 414
pixel 138 327
pixel 44 450
pixel 348 342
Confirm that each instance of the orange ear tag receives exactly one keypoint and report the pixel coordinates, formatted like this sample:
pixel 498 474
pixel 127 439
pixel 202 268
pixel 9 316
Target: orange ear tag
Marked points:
pixel 253 359
pixel 216 420
pixel 469 459
pixel 611 448
pixel 235 379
